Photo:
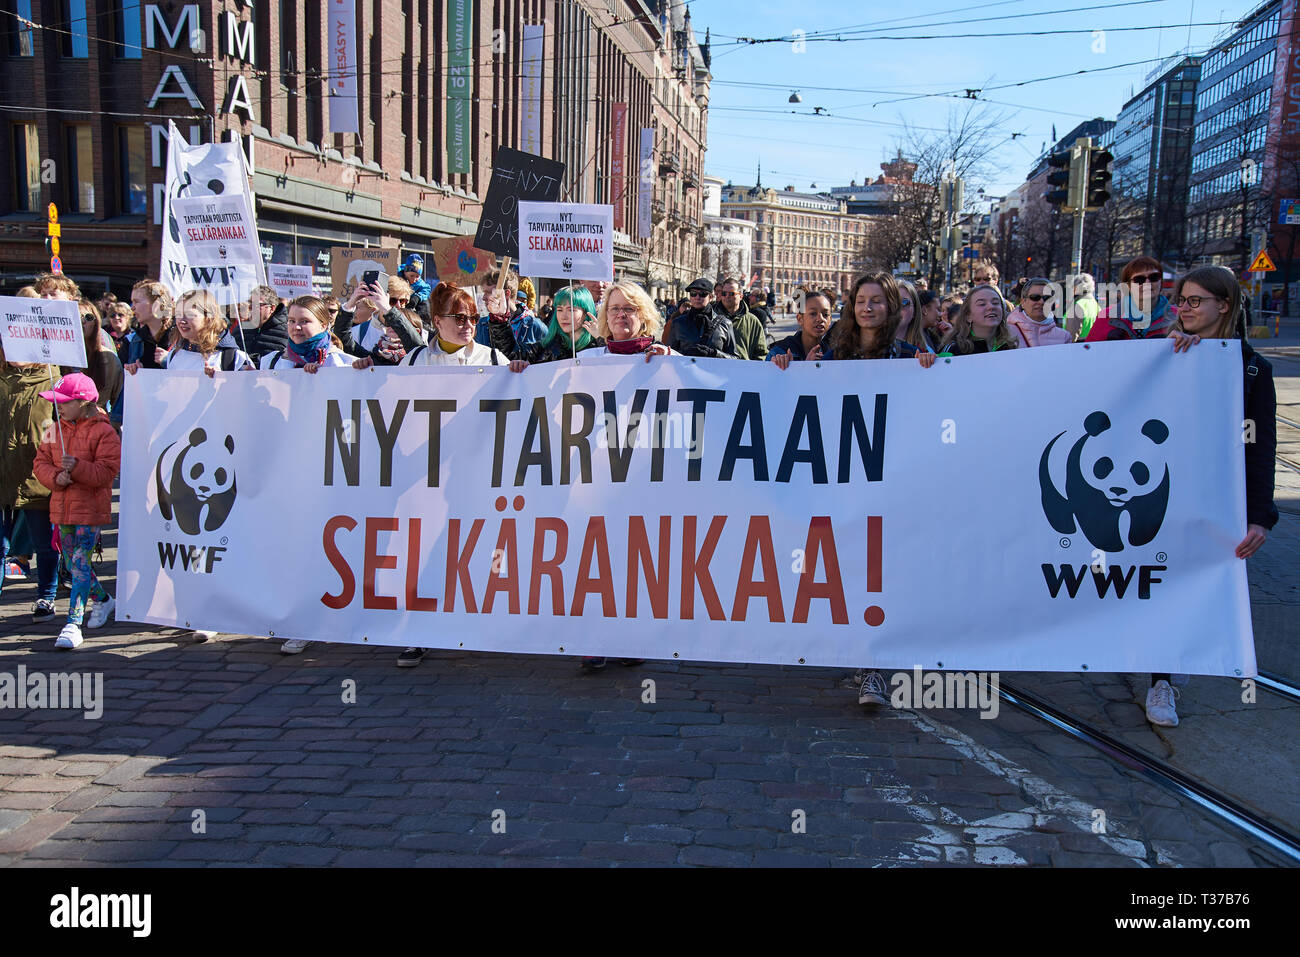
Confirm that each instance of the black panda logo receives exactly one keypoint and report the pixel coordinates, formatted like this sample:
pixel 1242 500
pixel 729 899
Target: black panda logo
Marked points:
pixel 1104 483
pixel 193 185
pixel 196 482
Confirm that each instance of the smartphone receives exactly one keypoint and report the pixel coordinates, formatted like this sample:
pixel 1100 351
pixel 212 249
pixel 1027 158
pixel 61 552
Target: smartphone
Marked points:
pixel 373 276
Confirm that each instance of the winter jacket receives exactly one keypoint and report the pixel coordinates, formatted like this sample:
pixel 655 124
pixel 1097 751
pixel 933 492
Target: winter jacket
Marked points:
pixel 704 333
pixel 1030 332
pixel 93 441
pixel 751 340
pixel 363 339
pixel 525 330
pixel 474 354
pixel 791 345
pixel 23 416
pixel 1081 317
pixel 1118 323
pixel 1261 409
pixel 271 336
pixel 561 347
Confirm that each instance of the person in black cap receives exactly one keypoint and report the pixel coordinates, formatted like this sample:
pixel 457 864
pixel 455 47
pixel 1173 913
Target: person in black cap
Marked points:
pixel 699 331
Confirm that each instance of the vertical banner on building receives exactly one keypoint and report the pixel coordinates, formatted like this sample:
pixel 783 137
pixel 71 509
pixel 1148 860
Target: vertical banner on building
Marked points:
pixel 344 116
pixel 460 60
pixel 208 170
pixel 645 180
pixel 531 87
pixel 618 162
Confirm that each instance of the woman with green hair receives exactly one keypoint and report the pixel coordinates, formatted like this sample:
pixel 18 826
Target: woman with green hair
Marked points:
pixel 568 333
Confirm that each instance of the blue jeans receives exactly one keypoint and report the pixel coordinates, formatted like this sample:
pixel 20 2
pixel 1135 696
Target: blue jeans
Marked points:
pixel 47 559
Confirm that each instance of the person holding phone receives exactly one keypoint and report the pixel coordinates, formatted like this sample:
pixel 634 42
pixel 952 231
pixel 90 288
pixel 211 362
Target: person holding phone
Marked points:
pixel 371 327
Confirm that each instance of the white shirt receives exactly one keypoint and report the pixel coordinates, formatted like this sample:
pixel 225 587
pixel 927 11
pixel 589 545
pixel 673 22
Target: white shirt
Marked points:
pixel 474 354
pixel 183 360
pixel 336 358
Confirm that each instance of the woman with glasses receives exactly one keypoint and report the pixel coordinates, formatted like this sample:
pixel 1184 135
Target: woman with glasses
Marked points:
pixel 1030 322
pixel 1209 303
pixel 629 323
pixel 911 333
pixel 1142 311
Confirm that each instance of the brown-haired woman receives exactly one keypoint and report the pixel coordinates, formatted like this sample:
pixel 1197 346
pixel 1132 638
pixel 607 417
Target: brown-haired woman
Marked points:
pixel 980 326
pixel 102 365
pixel 154 334
pixel 1142 311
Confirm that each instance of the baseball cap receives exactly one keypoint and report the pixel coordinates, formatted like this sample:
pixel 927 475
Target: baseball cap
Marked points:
pixel 74 385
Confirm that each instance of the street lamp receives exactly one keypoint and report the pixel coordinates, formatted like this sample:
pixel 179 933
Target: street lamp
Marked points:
pixel 795 97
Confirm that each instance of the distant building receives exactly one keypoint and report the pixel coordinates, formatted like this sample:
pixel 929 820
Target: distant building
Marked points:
pixel 728 241
pixel 881 197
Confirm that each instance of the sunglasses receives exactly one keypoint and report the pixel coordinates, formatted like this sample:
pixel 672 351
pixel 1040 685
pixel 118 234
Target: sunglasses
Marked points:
pixel 1194 301
pixel 698 295
pixel 460 318
pixel 1154 277
pixel 1037 298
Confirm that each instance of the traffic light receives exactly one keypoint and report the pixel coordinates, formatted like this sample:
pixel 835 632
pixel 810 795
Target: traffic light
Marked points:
pixel 1098 178
pixel 1060 178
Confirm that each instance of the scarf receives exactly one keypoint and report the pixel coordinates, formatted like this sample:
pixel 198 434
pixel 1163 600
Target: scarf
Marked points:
pixel 1121 325
pixel 315 349
pixel 629 347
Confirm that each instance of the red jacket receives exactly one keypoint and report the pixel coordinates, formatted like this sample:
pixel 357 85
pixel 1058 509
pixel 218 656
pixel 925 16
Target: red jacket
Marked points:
pixel 89 499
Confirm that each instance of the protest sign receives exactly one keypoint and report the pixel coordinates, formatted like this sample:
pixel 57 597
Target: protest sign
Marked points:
pixel 457 261
pixel 709 510
pixel 566 240
pixel 217 231
pixel 348 263
pixel 289 282
pixel 516 177
pixel 42 330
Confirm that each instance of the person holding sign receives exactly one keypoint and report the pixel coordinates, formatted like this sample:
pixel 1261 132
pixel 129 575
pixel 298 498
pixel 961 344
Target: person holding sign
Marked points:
pixel 814 320
pixel 102 365
pixel 154 335
pixel 629 323
pixel 78 464
pixel 567 334
pixel 509 325
pixel 312 343
pixel 204 340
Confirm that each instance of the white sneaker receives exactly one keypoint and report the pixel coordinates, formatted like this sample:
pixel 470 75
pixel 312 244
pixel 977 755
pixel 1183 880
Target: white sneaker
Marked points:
pixel 1160 705
pixel 294 646
pixel 205 635
pixel 873 691
pixel 100 612
pixel 69 637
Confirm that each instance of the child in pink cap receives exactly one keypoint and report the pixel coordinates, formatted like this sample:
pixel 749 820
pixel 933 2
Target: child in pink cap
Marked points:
pixel 78 462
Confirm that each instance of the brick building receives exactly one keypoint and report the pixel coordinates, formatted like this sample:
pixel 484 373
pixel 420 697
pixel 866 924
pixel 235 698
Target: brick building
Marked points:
pixel 103 77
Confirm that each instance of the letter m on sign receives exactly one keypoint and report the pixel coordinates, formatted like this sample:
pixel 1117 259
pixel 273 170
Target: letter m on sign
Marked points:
pixel 155 22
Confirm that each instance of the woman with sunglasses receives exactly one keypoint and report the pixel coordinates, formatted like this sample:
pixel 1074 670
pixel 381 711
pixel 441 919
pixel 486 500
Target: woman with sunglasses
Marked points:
pixel 911 331
pixel 1209 305
pixel 1030 323
pixel 1142 312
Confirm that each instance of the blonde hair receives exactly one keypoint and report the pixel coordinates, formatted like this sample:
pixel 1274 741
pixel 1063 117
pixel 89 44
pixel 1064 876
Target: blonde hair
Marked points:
pixel 28 292
pixel 915 335
pixel 398 288
pixel 652 323
pixel 960 342
pixel 214 325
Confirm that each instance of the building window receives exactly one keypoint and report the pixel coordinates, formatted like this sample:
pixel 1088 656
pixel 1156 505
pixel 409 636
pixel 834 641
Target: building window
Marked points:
pixel 126 29
pixel 27 168
pixel 19 37
pixel 76 41
pixel 132 189
pixel 81 163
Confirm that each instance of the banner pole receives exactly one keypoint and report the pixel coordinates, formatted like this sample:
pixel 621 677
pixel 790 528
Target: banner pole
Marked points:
pixel 573 335
pixel 58 419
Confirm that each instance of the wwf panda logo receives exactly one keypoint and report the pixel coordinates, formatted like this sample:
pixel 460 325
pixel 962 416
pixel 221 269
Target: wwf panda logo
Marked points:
pixel 205 178
pixel 1109 477
pixel 195 479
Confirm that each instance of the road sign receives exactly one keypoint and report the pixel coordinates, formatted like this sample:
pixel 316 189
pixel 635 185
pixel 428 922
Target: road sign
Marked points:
pixel 53 229
pixel 1262 263
pixel 56 265
pixel 53 213
pixel 1289 212
pixel 54 245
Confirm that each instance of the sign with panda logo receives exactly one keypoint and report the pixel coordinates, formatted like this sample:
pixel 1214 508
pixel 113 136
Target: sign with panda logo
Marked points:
pixel 47 331
pixel 566 241
pixel 1052 509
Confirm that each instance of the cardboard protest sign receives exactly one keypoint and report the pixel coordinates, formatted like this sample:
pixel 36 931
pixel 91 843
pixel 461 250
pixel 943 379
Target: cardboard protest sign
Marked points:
pixel 516 177
pixel 289 282
pixel 566 240
pixel 42 330
pixel 347 263
pixel 457 261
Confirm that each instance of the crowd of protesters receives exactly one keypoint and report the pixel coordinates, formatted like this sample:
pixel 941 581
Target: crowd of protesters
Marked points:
pixel 61 446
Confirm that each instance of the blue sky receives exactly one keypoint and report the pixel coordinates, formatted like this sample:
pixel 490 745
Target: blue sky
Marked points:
pixel 748 122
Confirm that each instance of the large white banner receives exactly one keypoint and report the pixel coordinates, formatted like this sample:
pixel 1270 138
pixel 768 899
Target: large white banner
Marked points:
pixel 289 282
pixel 344 116
pixel 566 240
pixel 42 330
pixel 530 88
pixel 850 514
pixel 209 170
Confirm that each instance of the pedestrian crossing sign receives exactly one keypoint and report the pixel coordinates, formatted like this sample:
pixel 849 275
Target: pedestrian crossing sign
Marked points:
pixel 1262 263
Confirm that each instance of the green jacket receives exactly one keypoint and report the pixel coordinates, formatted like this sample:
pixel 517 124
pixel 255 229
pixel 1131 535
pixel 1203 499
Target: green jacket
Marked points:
pixel 751 340
pixel 23 414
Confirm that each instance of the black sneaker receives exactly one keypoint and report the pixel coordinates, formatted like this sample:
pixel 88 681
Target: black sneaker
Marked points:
pixel 592 664
pixel 42 611
pixel 410 657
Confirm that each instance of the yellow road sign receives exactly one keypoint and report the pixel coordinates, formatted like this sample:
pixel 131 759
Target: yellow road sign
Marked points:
pixel 54 213
pixel 54 245
pixel 53 229
pixel 1262 263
